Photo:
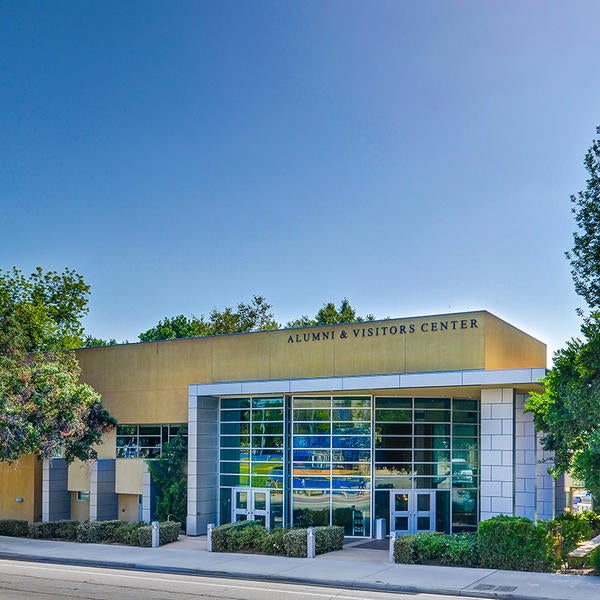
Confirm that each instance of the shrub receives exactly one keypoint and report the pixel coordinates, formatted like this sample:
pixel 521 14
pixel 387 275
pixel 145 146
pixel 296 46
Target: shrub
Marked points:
pixel 127 534
pixel 405 550
pixel 224 536
pixel 42 530
pixel 294 542
pixel 329 538
pixel 273 542
pixel 593 518
pixel 514 543
pixel 567 530
pixel 97 531
pixel 66 530
pixel 168 531
pixel 14 527
pixel 463 551
pixel 439 548
pixel 594 560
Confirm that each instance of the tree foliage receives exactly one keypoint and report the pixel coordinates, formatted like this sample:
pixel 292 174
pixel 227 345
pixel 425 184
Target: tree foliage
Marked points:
pixel 254 316
pixel 42 311
pixel 169 473
pixel 568 410
pixel 585 255
pixel 44 408
pixel 329 314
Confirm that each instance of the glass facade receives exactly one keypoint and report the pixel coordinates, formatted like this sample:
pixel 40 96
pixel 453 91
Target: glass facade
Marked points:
pixel 145 441
pixel 344 460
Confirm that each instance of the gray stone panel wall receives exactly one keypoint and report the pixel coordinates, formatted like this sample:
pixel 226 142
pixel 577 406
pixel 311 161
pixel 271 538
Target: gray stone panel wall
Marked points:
pixel 103 499
pixel 525 461
pixel 56 499
pixel 203 444
pixel 497 452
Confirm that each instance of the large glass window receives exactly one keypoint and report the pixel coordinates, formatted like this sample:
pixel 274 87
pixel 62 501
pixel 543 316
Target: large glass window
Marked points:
pixel 430 444
pixel 252 444
pixel 146 441
pixel 331 462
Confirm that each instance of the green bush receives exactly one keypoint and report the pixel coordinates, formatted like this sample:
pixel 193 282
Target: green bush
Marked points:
pixel 127 534
pixel 42 530
pixel 594 560
pixel 94 532
pixel 515 543
pixel 225 537
pixel 66 530
pixel 294 542
pixel 168 532
pixel 14 527
pixel 405 550
pixel 593 518
pixel 328 539
pixel 439 548
pixel 273 542
pixel 567 530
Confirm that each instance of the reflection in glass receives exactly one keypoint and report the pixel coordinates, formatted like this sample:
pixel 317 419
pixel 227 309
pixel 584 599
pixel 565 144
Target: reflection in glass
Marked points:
pixel 311 508
pixel 352 511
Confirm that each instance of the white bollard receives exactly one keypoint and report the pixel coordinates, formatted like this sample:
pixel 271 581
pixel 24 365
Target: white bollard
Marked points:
pixel 392 544
pixel 209 530
pixel 155 534
pixel 311 546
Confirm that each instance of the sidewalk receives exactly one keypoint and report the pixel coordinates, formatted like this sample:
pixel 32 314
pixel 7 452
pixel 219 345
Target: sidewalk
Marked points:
pixel 353 567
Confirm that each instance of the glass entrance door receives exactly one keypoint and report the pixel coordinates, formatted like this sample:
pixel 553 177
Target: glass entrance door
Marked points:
pixel 251 505
pixel 412 511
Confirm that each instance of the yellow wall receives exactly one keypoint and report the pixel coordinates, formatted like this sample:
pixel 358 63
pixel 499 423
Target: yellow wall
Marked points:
pixel 79 476
pixel 128 475
pixel 128 507
pixel 148 383
pixel 80 509
pixel 22 479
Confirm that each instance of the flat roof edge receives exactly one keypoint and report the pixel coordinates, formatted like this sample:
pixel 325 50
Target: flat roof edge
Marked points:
pixel 479 377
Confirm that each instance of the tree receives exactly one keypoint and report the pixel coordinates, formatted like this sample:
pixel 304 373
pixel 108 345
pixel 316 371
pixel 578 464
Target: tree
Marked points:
pixel 568 410
pixel 94 342
pixel 255 316
pixel 44 407
pixel 169 473
pixel 585 255
pixel 328 314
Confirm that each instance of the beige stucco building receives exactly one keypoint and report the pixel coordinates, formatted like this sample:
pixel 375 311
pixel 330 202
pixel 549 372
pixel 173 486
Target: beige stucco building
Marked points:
pixel 418 421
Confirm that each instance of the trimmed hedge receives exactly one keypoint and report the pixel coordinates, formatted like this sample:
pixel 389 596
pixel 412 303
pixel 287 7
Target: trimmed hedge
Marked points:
pixel 248 536
pixel 14 527
pixel 437 548
pixel 515 544
pixel 92 532
pixel 168 532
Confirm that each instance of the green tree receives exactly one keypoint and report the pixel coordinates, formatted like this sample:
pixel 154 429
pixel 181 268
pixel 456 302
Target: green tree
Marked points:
pixel 44 407
pixel 176 327
pixel 329 314
pixel 568 410
pixel 169 473
pixel 254 316
pixel 94 342
pixel 585 255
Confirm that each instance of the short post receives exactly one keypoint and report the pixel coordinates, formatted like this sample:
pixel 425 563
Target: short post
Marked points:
pixel 311 547
pixel 392 545
pixel 209 531
pixel 155 534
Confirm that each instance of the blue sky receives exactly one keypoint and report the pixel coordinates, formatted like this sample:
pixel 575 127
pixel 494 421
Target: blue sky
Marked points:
pixel 416 157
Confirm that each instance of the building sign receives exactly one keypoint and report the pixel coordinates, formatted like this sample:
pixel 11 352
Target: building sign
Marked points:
pixel 366 330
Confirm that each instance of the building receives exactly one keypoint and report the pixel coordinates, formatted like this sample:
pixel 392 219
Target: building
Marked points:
pixel 417 420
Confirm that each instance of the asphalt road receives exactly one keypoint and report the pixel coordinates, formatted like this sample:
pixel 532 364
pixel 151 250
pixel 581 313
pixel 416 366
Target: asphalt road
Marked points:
pixel 42 581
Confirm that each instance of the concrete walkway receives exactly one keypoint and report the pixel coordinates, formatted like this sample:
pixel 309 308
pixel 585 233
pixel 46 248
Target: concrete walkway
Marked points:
pixel 353 567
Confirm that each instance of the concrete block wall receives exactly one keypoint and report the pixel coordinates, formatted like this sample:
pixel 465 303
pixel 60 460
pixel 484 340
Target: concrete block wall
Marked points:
pixel 525 461
pixel 56 499
pixel 497 452
pixel 203 444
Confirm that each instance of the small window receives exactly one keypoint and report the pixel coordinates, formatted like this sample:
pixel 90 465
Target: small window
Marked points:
pixel 83 496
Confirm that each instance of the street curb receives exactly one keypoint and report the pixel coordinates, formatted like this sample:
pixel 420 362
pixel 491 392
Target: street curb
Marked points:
pixel 353 585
